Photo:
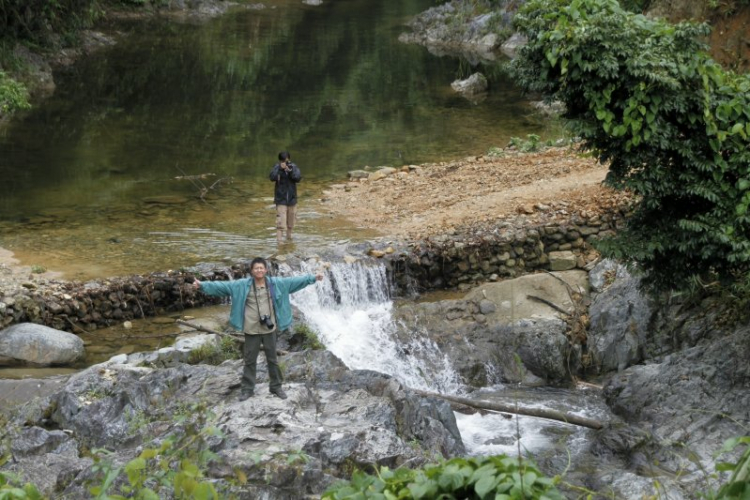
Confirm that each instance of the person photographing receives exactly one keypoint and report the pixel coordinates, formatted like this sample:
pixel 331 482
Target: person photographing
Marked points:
pixel 260 309
pixel 285 174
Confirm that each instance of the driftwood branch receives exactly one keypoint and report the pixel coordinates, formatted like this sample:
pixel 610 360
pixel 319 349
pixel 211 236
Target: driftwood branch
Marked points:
pixel 549 303
pixel 518 410
pixel 197 182
pixel 208 330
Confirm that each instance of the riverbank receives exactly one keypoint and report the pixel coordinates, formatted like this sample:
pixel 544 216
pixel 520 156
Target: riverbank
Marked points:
pixel 475 192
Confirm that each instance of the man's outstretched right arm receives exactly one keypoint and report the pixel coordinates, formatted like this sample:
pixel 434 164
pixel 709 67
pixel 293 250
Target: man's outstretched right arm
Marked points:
pixel 216 288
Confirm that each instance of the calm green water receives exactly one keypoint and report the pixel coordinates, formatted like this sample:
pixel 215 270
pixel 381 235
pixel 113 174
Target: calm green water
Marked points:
pixel 89 177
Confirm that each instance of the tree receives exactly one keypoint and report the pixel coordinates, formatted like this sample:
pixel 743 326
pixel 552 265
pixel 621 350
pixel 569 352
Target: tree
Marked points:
pixel 644 96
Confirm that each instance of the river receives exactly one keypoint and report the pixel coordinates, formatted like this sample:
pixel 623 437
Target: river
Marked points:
pixel 90 176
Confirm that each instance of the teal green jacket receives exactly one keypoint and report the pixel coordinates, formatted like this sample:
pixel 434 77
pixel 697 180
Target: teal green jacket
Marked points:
pixel 280 289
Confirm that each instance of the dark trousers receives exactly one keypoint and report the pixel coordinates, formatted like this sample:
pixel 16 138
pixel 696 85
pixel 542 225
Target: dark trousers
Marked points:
pixel 250 353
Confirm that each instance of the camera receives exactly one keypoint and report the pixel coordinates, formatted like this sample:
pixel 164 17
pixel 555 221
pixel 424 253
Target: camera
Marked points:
pixel 288 164
pixel 266 321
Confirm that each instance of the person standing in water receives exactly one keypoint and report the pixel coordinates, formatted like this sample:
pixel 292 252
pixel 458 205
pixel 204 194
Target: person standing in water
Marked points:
pixel 285 174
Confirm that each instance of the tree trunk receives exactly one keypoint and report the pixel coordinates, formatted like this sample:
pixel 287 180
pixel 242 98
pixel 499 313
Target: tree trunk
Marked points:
pixel 518 410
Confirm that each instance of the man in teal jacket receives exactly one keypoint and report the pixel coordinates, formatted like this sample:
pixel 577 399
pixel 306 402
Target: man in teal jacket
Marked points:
pixel 260 309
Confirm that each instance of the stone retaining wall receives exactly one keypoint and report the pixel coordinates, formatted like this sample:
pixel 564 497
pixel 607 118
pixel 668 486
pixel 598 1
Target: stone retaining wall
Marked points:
pixel 77 307
pixel 504 250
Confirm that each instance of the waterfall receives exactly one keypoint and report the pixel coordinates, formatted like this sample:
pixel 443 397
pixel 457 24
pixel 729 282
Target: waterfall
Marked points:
pixel 352 312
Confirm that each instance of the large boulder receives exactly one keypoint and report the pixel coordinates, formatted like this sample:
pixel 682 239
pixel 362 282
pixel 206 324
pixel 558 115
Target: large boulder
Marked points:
pixel 37 345
pixel 689 402
pixel 335 420
pixel 621 317
pixel 511 331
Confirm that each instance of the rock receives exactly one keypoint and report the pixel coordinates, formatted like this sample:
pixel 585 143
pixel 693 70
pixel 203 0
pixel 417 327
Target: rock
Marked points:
pixel 475 84
pixel 340 419
pixel 17 392
pixel 604 274
pixel 488 42
pixel 496 322
pixel 562 261
pixel 38 345
pixel 358 174
pixel 620 319
pixel 510 46
pixel 688 402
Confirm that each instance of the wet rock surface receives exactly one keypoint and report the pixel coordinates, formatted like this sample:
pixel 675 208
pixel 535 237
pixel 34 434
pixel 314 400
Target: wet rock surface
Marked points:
pixel 508 332
pixel 337 417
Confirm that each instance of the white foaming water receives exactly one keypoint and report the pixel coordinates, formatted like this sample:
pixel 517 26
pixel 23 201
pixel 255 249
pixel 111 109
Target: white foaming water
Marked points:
pixel 352 312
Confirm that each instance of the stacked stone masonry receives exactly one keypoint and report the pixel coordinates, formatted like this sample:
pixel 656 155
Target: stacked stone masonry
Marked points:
pixel 506 250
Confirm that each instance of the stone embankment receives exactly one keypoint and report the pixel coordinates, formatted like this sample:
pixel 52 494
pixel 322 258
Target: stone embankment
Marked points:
pixel 509 249
pixel 78 307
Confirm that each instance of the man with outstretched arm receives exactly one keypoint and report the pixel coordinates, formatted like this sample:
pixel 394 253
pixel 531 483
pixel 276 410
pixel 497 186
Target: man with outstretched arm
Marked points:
pixel 260 309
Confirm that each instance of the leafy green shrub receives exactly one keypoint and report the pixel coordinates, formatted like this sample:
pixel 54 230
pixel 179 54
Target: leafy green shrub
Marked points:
pixel 10 489
pixel 738 486
pixel 13 95
pixel 675 128
pixel 175 468
pixel 212 353
pixel 498 477
pixel 530 145
pixel 37 20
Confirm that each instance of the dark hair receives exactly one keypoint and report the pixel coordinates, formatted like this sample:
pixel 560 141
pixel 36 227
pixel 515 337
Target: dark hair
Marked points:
pixel 258 260
pixel 284 155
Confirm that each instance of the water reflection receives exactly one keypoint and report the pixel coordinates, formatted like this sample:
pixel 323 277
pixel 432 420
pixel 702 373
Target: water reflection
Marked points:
pixel 331 84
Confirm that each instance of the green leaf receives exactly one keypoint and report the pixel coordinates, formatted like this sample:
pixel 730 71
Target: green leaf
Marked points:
pixel 485 485
pixel 205 491
pixel 148 494
pixel 425 489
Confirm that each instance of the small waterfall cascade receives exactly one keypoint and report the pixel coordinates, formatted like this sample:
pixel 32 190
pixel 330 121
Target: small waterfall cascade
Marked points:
pixel 352 312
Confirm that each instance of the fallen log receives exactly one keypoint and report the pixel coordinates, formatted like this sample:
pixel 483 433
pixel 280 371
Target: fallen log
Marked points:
pixel 518 410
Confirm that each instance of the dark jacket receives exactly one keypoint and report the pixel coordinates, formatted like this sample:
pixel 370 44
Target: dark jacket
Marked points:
pixel 285 192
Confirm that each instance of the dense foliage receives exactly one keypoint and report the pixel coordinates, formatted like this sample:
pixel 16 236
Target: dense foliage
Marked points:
pixel 13 95
pixel 643 95
pixel 499 477
pixel 38 20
